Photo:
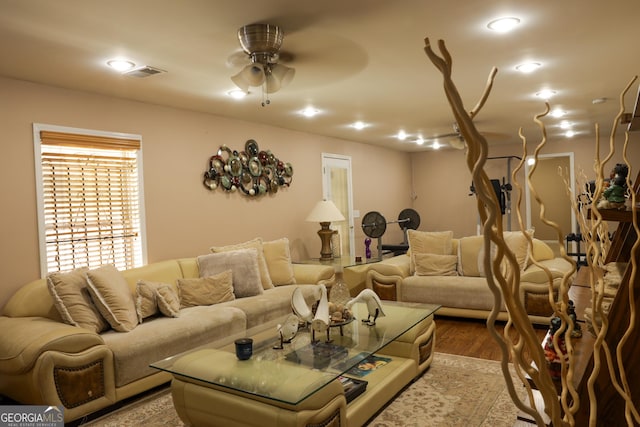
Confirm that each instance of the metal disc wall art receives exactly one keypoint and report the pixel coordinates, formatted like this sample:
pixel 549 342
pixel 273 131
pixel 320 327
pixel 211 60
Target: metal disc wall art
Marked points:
pixel 252 171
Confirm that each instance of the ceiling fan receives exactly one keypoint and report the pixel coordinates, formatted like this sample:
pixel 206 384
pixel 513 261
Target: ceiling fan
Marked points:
pixel 261 44
pixel 456 140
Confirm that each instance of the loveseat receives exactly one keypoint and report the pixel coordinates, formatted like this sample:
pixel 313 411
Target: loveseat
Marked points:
pixel 85 339
pixel 440 269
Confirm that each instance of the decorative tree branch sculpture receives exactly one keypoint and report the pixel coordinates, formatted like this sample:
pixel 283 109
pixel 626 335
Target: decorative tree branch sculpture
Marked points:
pixel 519 342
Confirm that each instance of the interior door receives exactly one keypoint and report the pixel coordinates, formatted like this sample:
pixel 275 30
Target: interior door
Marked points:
pixel 552 190
pixel 336 186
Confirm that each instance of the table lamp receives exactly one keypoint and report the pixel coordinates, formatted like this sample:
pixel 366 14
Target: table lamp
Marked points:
pixel 324 212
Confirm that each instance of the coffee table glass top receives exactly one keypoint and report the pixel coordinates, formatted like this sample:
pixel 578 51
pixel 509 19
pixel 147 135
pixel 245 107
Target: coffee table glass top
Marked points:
pixel 302 367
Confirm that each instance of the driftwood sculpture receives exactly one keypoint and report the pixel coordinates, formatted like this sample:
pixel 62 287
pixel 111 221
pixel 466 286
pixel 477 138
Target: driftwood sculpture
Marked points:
pixel 519 342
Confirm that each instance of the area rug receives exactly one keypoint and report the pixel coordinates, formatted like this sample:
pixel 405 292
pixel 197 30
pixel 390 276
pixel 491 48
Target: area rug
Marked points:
pixel 455 391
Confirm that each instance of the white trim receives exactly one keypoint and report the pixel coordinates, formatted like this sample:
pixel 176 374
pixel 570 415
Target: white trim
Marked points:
pixel 37 144
pixel 325 193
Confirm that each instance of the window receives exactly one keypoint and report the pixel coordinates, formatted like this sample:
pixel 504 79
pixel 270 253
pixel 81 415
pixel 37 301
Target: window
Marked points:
pixel 90 208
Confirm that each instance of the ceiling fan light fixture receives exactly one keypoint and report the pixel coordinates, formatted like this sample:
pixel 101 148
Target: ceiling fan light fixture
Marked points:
pixel 251 75
pixel 278 76
pixel 262 43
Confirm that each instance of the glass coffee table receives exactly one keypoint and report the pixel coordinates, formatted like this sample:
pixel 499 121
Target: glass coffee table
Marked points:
pixel 290 377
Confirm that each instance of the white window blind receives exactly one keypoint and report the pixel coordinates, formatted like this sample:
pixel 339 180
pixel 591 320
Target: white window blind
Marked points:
pixel 91 204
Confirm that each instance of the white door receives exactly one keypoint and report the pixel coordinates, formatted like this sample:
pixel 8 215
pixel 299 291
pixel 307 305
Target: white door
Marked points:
pixel 336 186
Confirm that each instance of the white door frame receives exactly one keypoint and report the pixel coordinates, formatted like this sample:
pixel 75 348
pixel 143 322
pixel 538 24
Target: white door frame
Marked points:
pixel 340 161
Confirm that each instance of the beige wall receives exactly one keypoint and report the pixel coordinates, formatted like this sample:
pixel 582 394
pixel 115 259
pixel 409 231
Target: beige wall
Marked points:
pixel 441 179
pixel 183 218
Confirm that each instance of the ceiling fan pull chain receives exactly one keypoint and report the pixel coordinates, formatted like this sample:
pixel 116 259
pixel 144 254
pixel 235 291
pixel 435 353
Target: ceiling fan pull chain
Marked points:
pixel 265 94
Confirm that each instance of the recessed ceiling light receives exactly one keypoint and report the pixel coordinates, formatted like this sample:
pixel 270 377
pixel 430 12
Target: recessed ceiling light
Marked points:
pixel 565 125
pixel 546 94
pixel 120 65
pixel 237 93
pixel 419 140
pixel 402 135
pixel 557 113
pixel 503 25
pixel 310 112
pixel 436 145
pixel 528 67
pixel 569 134
pixel 359 125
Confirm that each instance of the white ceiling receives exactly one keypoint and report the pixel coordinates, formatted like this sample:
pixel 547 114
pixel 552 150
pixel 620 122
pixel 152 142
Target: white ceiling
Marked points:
pixel 354 59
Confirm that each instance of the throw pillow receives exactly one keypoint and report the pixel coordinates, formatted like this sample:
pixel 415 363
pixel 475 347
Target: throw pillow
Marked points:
pixel 72 300
pixel 431 242
pixel 278 257
pixel 518 244
pixel 111 294
pixel 206 290
pixel 147 303
pixel 541 251
pixel 244 266
pixel 168 301
pixel 262 263
pixel 470 256
pixel 436 265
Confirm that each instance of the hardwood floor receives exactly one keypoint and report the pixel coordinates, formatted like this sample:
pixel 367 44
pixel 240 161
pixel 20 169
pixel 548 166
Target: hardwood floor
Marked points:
pixel 470 337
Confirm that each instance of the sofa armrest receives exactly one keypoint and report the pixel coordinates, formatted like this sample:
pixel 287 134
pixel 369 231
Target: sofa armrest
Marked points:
pixel 387 287
pixel 24 339
pixel 313 274
pixel 558 267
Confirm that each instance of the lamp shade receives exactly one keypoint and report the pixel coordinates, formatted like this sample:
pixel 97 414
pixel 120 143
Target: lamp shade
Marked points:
pixel 325 211
pixel 279 77
pixel 251 75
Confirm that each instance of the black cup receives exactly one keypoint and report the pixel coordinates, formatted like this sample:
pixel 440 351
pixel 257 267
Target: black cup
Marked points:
pixel 244 348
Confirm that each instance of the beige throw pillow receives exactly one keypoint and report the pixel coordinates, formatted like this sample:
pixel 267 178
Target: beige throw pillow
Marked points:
pixel 111 294
pixel 148 300
pixel 470 256
pixel 73 301
pixel 262 263
pixel 206 290
pixel 518 244
pixel 278 257
pixel 430 242
pixel 436 265
pixel 168 301
pixel 541 252
pixel 244 266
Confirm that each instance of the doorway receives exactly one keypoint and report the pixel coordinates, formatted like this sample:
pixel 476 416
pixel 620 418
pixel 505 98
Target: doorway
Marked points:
pixel 337 187
pixel 550 186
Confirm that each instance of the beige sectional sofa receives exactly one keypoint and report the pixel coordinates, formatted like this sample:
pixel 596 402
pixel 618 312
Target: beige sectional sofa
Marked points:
pixel 46 358
pixel 452 275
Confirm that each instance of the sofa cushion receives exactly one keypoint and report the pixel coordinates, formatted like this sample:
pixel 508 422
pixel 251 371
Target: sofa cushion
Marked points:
pixel 243 264
pixel 278 257
pixel 432 242
pixel 262 263
pixel 111 294
pixel 164 336
pixel 73 301
pixel 469 259
pixel 168 301
pixel 208 290
pixel 436 265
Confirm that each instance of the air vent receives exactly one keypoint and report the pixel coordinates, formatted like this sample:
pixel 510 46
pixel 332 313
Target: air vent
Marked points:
pixel 144 71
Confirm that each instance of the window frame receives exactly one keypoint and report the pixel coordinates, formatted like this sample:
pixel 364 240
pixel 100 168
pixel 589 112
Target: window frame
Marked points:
pixel 40 191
